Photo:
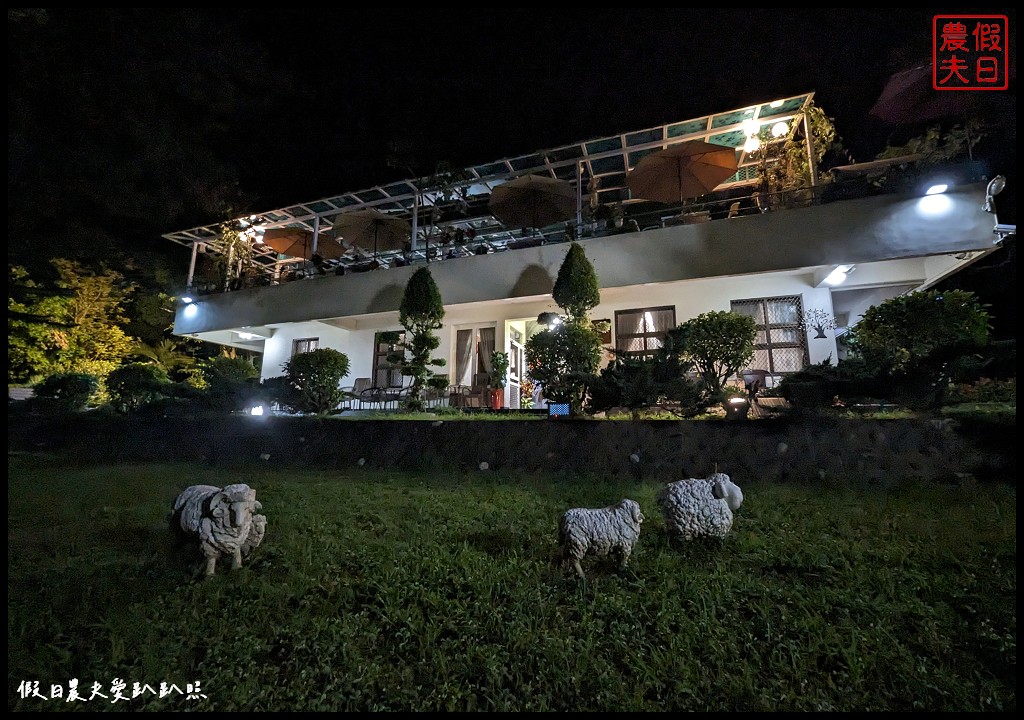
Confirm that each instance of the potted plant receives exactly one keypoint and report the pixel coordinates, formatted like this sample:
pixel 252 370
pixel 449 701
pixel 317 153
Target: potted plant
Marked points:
pixel 499 370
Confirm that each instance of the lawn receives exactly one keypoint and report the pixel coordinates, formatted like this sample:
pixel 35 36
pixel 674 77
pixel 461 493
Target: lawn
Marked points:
pixel 388 591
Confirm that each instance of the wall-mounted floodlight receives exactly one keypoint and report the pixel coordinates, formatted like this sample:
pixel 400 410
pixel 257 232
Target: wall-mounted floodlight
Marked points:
pixel 187 299
pixel 937 189
pixel 838 276
pixel 995 186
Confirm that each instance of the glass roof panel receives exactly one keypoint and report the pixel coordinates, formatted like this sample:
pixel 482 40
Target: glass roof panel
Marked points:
pixel 527 162
pixel 595 147
pixel 734 117
pixel 566 153
pixel 642 138
pixel 320 206
pixel 634 157
pixel 370 195
pixel 733 138
pixel 787 107
pixel 687 128
pixel 497 168
pixel 612 163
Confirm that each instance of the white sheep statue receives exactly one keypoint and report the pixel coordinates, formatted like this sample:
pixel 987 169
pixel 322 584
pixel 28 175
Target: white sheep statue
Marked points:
pixel 599 531
pixel 700 507
pixel 224 520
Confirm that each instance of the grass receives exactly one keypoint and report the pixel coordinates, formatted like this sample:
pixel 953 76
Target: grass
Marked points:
pixel 387 591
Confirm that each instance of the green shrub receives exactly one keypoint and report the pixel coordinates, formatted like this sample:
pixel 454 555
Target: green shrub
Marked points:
pixel 133 386
pixel 716 344
pixel 316 378
pixel 230 382
pixel 70 392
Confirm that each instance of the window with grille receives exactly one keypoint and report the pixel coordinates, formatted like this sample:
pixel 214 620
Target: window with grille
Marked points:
pixel 780 345
pixel 305 345
pixel 385 372
pixel 639 333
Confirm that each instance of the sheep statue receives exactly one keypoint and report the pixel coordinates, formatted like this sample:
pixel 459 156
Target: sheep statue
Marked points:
pixel 599 531
pixel 224 520
pixel 699 507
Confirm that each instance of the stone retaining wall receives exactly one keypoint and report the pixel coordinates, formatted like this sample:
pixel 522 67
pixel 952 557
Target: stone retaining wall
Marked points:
pixel 804 449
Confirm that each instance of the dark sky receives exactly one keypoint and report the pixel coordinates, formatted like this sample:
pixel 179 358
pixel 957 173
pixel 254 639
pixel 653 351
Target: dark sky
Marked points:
pixel 469 86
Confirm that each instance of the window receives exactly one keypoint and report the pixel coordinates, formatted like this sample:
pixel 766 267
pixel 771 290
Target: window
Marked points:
pixel 639 333
pixel 386 373
pixel 305 345
pixel 473 348
pixel 780 345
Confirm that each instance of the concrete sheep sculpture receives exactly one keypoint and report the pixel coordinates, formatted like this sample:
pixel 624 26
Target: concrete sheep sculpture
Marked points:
pixel 223 519
pixel 700 507
pixel 599 531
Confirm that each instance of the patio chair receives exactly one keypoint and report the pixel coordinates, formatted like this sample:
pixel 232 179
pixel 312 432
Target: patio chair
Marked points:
pixel 754 381
pixel 734 210
pixel 354 391
pixel 480 391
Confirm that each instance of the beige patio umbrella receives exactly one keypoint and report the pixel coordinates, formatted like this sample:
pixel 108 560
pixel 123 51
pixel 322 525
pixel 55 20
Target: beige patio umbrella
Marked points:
pixel 681 171
pixel 533 201
pixel 372 229
pixel 298 242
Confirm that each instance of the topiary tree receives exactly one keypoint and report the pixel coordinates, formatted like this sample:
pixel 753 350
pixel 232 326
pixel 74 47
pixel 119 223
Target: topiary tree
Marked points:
pixel 718 344
pixel 564 358
pixel 576 288
pixel 421 313
pixel 921 337
pixel 315 377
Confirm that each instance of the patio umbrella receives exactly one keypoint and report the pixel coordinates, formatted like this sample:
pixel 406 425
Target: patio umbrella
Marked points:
pixel 681 171
pixel 533 201
pixel 909 96
pixel 372 229
pixel 298 242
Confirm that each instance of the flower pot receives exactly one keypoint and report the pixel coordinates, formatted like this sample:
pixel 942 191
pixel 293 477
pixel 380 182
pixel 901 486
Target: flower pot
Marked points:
pixel 497 398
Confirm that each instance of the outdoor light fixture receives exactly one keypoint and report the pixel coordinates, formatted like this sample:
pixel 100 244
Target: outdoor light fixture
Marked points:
pixel 191 310
pixel 775 104
pixel 751 127
pixel 751 145
pixel 256 410
pixel 549 319
pixel 937 189
pixel 779 129
pixel 838 276
pixel 187 299
pixel 246 336
pixel 995 186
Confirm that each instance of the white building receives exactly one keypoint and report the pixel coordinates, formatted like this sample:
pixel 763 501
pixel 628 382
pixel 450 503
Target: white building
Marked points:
pixel 722 254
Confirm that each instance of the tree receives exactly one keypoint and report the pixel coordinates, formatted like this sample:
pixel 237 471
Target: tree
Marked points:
pixel 74 327
pixel 420 313
pixel 316 378
pixel 718 344
pixel 565 357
